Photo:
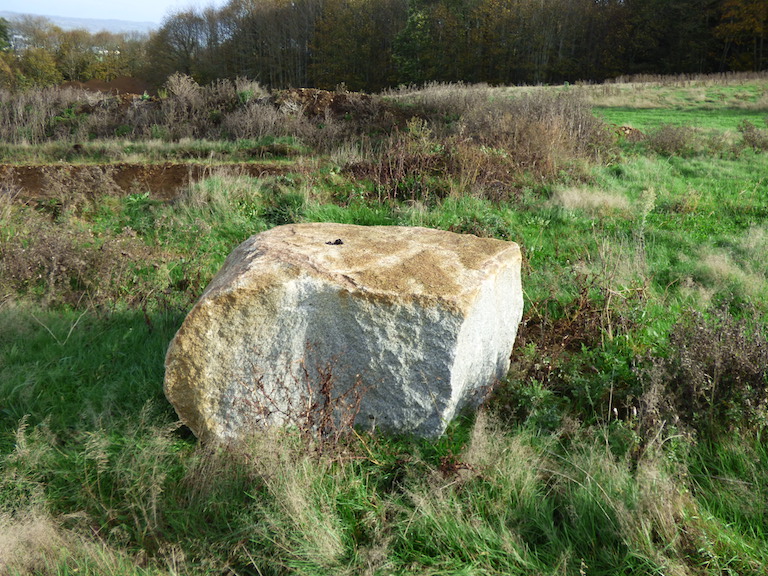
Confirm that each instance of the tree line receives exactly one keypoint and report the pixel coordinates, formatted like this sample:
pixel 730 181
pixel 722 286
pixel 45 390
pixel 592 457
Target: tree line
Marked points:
pixel 373 44
pixel 35 52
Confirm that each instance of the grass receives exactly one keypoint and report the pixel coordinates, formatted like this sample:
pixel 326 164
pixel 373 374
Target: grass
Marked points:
pixel 83 359
pixel 714 107
pixel 186 150
pixel 717 93
pixel 627 437
pixel 704 119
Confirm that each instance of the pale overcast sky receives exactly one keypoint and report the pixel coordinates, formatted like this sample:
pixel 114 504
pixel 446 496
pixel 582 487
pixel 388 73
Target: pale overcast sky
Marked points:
pixel 134 10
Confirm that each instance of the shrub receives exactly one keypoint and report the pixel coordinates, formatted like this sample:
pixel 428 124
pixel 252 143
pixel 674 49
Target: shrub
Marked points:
pixel 35 116
pixel 715 377
pixel 752 136
pixel 59 266
pixel 440 101
pixel 542 132
pixel 672 140
pixel 404 163
pixel 570 357
pixel 254 120
pixel 490 148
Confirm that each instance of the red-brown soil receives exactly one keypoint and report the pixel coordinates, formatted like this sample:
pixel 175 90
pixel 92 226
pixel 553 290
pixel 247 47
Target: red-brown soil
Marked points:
pixel 162 181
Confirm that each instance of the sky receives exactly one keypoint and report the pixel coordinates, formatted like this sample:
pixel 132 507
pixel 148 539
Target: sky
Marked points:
pixel 133 10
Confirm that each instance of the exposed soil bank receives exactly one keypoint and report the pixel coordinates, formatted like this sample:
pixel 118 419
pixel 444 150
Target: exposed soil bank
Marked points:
pixel 162 181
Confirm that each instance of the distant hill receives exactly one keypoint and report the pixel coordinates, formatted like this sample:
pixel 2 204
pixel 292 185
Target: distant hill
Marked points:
pixel 90 24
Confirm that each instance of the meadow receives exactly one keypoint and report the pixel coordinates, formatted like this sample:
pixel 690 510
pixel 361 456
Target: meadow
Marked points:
pixel 626 438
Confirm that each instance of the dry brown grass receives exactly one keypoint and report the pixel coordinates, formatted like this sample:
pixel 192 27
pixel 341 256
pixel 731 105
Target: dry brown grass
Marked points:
pixel 597 203
pixel 649 91
pixel 485 452
pixel 31 544
pixel 441 99
pixel 720 272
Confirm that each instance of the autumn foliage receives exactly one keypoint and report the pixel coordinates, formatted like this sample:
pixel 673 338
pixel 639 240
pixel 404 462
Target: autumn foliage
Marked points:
pixel 371 45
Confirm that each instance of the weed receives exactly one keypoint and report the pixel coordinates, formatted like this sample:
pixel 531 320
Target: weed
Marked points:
pixel 313 403
pixel 672 140
pixel 753 136
pixel 714 377
pixel 597 203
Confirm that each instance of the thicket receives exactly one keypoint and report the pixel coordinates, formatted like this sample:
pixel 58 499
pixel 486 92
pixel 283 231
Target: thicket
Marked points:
pixel 224 110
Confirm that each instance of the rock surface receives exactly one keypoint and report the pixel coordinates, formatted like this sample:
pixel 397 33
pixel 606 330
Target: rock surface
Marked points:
pixel 423 321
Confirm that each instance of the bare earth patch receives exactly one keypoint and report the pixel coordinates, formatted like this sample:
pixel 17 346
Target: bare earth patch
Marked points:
pixel 162 181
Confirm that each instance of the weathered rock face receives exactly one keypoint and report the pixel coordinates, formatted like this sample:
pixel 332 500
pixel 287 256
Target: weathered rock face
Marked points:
pixel 424 320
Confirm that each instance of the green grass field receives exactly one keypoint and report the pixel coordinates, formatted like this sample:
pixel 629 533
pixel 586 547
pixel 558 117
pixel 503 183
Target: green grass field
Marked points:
pixel 626 439
pixel 705 119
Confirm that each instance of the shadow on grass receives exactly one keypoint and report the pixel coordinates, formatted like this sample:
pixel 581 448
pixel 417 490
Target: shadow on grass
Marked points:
pixel 77 370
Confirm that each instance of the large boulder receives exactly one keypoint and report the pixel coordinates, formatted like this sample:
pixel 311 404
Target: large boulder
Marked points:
pixel 421 322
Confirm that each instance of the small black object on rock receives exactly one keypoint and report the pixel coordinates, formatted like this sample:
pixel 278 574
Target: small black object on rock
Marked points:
pixel 336 242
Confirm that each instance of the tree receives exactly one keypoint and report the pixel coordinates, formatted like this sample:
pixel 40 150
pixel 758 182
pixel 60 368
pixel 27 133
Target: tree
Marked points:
pixel 114 55
pixel 37 32
pixel 410 47
pixel 667 36
pixel 37 67
pixel 743 27
pixel 5 41
pixel 599 53
pixel 435 44
pixel 269 40
pixel 496 41
pixel 177 45
pixel 353 43
pixel 75 55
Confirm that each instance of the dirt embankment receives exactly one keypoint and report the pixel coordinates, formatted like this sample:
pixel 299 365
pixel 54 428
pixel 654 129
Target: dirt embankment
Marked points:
pixel 162 181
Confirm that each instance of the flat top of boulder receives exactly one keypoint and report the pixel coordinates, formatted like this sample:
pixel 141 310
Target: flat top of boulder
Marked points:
pixel 377 262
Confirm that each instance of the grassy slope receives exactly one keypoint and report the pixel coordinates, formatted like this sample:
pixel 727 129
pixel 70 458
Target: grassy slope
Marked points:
pixel 96 477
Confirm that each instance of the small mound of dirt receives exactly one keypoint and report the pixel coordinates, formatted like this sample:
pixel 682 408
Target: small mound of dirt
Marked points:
pixel 313 102
pixel 631 134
